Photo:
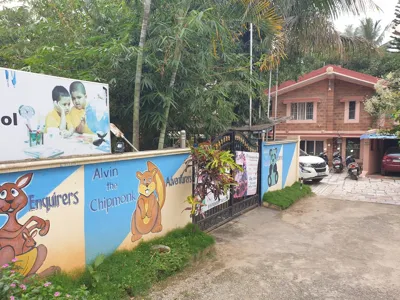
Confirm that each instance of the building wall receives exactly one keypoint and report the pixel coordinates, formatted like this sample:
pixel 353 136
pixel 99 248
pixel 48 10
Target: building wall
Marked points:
pixel 316 90
pixel 279 165
pixel 346 89
pixel 330 116
pixel 83 209
pixel 373 151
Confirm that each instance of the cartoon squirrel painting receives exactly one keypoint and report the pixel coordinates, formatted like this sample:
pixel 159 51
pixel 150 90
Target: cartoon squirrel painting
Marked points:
pixel 147 216
pixel 16 240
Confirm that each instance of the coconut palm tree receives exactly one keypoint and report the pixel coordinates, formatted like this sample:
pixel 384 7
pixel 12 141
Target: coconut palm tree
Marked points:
pixel 309 23
pixel 371 31
pixel 350 31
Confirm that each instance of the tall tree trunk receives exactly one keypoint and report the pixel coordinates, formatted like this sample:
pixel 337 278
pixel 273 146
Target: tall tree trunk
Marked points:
pixel 176 62
pixel 138 77
pixel 177 59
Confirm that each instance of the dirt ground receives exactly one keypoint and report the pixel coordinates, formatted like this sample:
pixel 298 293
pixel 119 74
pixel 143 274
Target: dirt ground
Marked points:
pixel 317 249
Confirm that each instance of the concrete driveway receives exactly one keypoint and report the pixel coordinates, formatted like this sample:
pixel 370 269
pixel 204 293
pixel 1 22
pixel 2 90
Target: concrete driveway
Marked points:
pixel 317 249
pixel 376 189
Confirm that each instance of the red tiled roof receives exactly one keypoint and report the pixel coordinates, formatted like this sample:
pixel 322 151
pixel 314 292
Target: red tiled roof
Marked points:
pixel 336 70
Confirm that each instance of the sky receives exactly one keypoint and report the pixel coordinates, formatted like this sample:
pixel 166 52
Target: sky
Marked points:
pixel 387 16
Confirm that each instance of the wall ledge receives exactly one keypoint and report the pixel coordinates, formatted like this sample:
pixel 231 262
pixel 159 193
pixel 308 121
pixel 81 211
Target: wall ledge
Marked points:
pixel 19 166
pixel 286 141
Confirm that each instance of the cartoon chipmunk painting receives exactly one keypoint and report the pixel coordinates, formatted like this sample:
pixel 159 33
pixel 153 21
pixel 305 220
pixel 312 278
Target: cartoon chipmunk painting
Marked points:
pixel 147 216
pixel 14 236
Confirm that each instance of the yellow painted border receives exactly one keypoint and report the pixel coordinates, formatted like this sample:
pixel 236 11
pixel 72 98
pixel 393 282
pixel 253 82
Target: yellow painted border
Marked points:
pixel 20 166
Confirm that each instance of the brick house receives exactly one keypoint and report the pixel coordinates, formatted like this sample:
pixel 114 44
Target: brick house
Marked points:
pixel 327 112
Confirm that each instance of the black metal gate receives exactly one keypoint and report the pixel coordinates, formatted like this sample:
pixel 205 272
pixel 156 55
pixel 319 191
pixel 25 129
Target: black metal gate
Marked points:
pixel 224 212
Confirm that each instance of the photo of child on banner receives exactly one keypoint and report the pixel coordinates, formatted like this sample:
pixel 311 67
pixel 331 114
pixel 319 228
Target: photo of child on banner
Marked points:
pixel 247 179
pixel 75 122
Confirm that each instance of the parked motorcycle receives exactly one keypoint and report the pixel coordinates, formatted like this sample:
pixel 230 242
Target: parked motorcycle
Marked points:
pixel 353 169
pixel 337 162
pixel 324 157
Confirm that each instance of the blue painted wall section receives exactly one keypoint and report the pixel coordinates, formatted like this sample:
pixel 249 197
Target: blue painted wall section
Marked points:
pixel 75 213
pixel 277 164
pixel 111 193
pixel 38 190
pixel 267 161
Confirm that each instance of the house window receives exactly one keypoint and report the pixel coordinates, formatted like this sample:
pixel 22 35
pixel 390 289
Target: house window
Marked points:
pixel 302 111
pixel 352 110
pixel 353 148
pixel 312 147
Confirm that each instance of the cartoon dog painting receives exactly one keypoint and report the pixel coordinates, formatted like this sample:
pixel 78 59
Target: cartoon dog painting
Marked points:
pixel 147 216
pixel 273 175
pixel 16 240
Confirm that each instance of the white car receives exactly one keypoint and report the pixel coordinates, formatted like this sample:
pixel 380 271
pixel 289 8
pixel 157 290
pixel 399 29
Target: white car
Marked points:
pixel 312 167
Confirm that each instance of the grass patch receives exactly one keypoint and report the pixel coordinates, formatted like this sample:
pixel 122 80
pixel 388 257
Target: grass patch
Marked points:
pixel 125 274
pixel 289 195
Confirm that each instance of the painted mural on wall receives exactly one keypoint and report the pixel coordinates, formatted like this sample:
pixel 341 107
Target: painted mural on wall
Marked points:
pixel 279 166
pixel 62 218
pixel 273 174
pixel 130 201
pixel 147 216
pixel 27 203
pixel 16 239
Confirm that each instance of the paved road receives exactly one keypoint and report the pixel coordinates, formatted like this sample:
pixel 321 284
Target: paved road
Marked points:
pixel 317 249
pixel 375 189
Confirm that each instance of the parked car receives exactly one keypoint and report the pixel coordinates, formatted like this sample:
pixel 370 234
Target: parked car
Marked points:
pixel 312 168
pixel 391 161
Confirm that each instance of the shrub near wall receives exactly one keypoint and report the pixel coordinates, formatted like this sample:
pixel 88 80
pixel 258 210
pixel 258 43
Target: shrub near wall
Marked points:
pixel 131 273
pixel 289 195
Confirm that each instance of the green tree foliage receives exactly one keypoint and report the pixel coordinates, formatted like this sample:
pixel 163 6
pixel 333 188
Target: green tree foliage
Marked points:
pixel 372 31
pixel 195 72
pixel 386 101
pixel 89 40
pixel 138 75
pixel 195 69
pixel 369 30
pixel 395 42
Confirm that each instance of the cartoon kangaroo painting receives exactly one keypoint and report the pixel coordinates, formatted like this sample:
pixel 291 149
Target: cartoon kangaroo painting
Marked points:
pixel 16 240
pixel 147 216
pixel 29 242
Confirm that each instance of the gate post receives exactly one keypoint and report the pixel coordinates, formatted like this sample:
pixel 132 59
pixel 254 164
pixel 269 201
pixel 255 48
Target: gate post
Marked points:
pixel 259 171
pixel 193 185
pixel 232 189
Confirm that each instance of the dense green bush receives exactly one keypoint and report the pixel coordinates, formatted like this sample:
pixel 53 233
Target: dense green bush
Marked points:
pixel 127 274
pixel 289 195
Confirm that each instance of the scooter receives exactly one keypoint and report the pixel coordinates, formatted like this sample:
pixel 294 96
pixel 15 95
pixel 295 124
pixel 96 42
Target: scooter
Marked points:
pixel 324 156
pixel 353 169
pixel 337 162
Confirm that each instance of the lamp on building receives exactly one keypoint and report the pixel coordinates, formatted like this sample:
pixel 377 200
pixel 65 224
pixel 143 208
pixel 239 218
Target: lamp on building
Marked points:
pixel 330 85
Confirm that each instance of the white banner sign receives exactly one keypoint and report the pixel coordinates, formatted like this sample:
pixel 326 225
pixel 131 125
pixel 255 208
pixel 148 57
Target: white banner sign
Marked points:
pixel 210 201
pixel 247 180
pixel 45 116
